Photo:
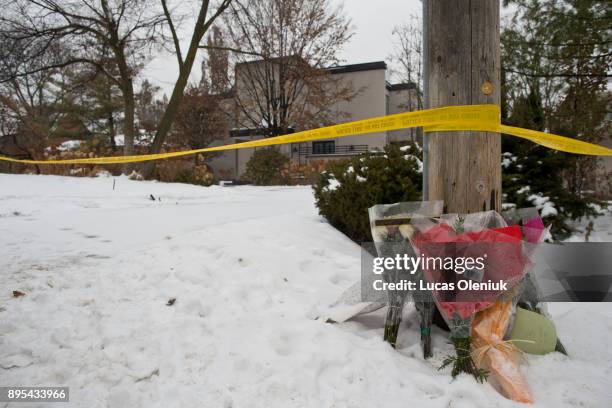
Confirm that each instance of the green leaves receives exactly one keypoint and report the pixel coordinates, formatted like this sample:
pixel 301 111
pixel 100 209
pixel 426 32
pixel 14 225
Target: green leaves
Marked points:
pixel 462 361
pixel 267 167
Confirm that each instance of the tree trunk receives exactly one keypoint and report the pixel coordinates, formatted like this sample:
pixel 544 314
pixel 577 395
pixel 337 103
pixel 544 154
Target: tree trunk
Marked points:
pixel 128 120
pixel 201 26
pixel 463 68
pixel 127 90
pixel 128 124
pixel 166 122
pixel 111 131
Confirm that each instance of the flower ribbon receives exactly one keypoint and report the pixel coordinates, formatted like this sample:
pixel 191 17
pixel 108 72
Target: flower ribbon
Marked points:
pixel 505 346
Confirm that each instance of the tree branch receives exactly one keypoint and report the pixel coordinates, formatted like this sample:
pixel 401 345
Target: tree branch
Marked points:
pixel 552 44
pixel 177 45
pixel 559 75
pixel 230 49
pixel 63 65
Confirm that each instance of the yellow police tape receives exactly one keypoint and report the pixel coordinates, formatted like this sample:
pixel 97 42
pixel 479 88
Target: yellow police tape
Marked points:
pixel 471 117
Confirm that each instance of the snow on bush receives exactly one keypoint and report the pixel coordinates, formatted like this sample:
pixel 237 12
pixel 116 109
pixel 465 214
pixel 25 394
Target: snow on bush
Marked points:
pixel 350 187
pixel 332 183
pixel 523 190
pixel 69 145
pixel 418 161
pixel 542 203
pixel 508 159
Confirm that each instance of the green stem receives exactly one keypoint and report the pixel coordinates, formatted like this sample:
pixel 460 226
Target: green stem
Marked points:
pixel 463 362
pixel 426 342
pixel 394 318
pixel 426 311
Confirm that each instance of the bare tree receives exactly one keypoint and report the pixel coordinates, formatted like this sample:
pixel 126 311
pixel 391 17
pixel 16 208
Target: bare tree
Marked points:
pixel 408 55
pixel 204 20
pixel 29 114
pixel 280 51
pixel 218 63
pixel 32 107
pixel 125 28
pixel 201 118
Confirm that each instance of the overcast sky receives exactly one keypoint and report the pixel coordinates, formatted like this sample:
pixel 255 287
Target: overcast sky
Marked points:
pixel 373 22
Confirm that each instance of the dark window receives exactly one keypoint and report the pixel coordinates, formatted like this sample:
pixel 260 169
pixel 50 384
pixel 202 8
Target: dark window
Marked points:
pixel 326 147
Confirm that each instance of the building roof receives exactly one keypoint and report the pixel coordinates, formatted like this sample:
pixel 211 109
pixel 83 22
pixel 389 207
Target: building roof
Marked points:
pixel 401 87
pixel 338 69
pixel 272 60
pixel 368 66
pixel 250 132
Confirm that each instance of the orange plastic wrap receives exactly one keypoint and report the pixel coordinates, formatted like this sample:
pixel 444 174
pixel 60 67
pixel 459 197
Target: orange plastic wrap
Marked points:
pixel 500 358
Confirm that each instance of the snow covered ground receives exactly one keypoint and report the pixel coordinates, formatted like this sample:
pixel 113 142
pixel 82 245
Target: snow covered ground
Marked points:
pixel 251 270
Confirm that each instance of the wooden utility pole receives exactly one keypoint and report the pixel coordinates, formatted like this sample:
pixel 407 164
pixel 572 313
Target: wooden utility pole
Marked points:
pixel 462 67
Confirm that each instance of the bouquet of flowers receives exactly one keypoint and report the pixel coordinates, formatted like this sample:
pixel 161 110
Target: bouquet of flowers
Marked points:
pixel 476 270
pixel 460 289
pixel 391 232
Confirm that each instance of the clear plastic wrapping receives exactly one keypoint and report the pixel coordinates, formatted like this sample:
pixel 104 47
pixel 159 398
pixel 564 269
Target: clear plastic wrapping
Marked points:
pixel 391 233
pixel 499 358
pixel 498 264
pixel 534 233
